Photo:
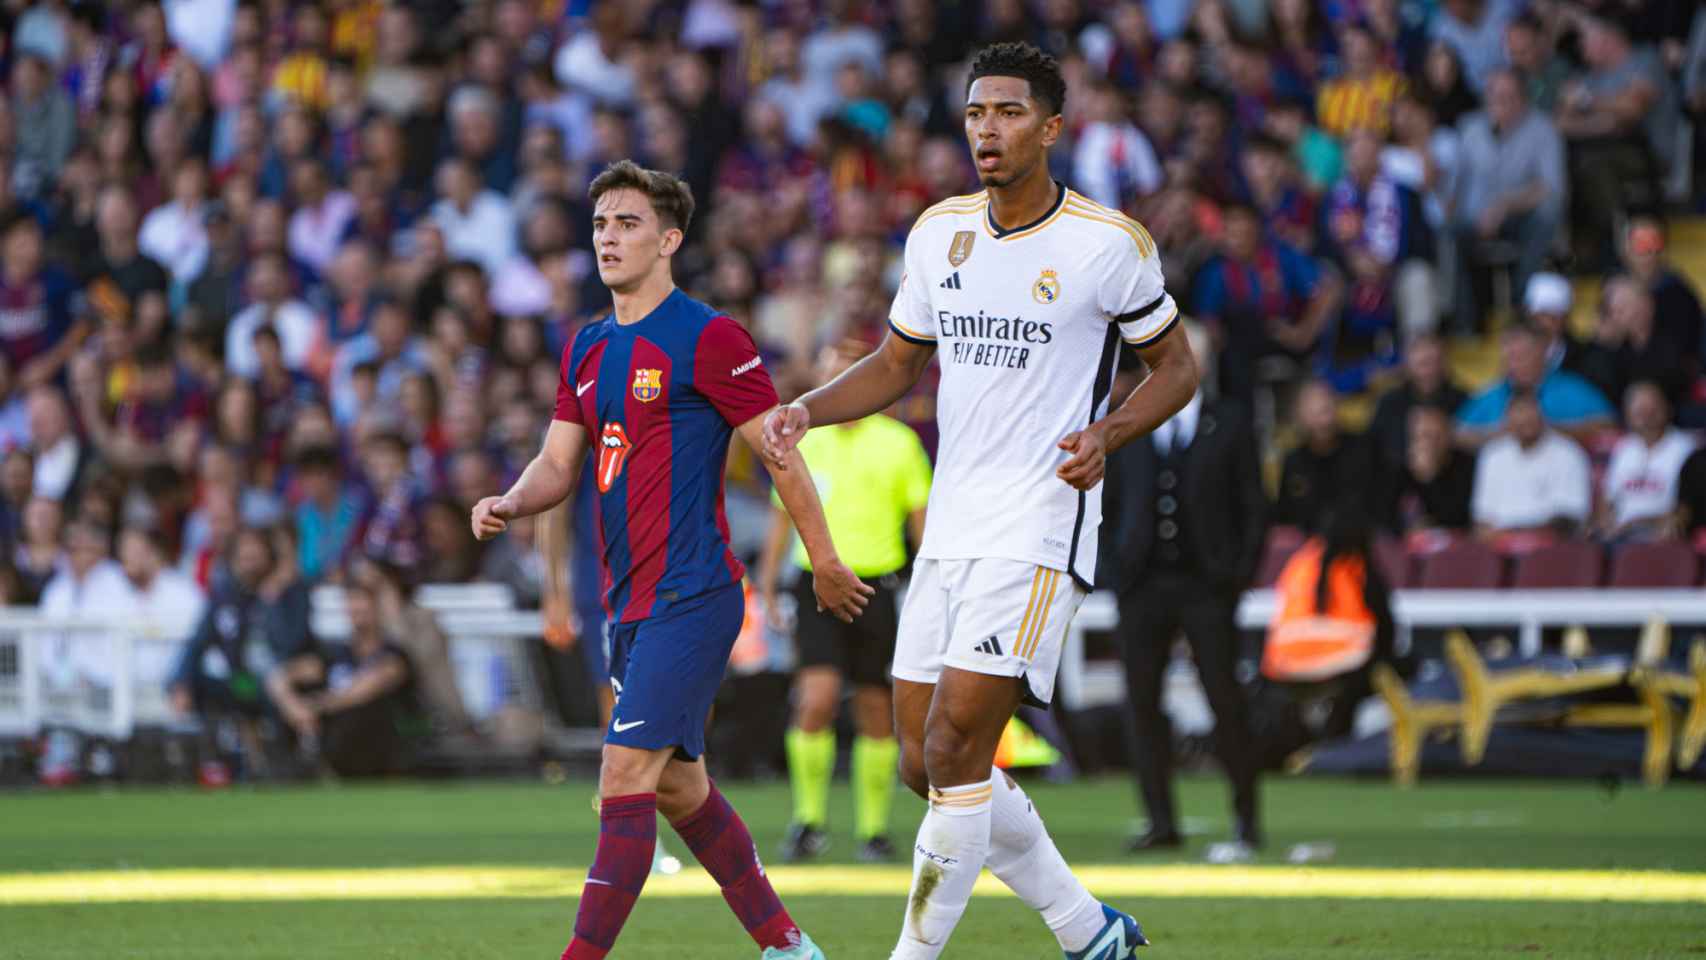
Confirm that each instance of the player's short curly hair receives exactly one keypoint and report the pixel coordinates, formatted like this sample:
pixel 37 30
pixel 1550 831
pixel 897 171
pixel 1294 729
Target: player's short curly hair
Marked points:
pixel 1022 60
pixel 671 197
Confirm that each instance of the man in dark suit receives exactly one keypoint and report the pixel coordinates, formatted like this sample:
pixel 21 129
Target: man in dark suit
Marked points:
pixel 1184 520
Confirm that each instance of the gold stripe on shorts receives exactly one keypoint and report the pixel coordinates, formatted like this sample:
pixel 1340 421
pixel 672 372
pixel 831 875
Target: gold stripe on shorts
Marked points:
pixel 1030 610
pixel 1028 646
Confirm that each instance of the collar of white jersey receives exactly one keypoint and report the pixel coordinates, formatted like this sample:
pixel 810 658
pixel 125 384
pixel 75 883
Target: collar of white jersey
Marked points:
pixel 998 233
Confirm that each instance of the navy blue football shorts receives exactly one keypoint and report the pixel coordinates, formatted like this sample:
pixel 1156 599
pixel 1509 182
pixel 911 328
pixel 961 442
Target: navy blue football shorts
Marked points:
pixel 665 672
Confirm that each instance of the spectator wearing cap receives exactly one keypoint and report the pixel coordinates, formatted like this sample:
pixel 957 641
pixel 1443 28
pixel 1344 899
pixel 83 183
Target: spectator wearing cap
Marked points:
pixel 1475 31
pixel 1639 490
pixel 1676 307
pixel 1567 400
pixel 478 223
pixel 299 328
pixel 1620 117
pixel 45 124
pixel 1628 346
pixel 1511 186
pixel 1531 479
pixel 1426 383
pixel 1547 301
pixel 328 514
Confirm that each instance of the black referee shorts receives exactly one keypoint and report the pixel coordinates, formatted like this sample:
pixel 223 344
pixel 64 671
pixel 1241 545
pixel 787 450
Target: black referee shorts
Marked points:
pixel 862 650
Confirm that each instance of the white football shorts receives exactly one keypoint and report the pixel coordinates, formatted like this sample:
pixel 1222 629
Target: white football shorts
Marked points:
pixel 1005 618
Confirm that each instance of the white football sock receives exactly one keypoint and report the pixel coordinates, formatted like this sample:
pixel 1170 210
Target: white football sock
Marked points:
pixel 1024 857
pixel 953 842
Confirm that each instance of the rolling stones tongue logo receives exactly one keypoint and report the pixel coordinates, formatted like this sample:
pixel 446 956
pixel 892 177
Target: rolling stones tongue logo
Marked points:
pixel 613 447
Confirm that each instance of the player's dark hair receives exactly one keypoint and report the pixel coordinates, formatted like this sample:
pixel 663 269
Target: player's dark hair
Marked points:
pixel 670 196
pixel 1027 63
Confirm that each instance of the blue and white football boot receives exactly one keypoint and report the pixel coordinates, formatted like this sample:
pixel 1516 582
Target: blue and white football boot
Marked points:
pixel 807 950
pixel 1118 940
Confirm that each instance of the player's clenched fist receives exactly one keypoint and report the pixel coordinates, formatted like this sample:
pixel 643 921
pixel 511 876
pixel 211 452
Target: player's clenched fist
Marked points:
pixel 491 516
pixel 839 590
pixel 783 429
pixel 1084 468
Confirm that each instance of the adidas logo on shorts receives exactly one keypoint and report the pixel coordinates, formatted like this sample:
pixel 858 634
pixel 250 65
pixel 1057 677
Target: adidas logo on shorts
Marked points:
pixel 990 646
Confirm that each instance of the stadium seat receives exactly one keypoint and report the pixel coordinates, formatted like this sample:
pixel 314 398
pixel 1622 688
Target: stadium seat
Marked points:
pixel 1465 565
pixel 1282 542
pixel 1654 565
pixel 1561 565
pixel 1394 562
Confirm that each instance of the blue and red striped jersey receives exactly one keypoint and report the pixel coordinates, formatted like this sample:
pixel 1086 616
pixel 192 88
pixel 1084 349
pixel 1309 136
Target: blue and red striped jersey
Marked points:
pixel 660 399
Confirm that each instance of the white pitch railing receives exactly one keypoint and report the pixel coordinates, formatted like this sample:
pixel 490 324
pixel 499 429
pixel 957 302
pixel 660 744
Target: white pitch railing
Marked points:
pixel 107 678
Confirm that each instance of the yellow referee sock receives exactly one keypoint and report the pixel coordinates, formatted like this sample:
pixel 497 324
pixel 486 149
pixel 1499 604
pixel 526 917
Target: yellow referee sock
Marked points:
pixel 811 764
pixel 874 765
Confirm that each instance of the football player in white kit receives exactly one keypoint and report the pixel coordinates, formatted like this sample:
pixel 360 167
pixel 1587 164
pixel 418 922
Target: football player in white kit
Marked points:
pixel 1024 291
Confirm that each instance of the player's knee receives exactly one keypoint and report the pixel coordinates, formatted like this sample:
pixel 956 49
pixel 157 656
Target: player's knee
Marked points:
pixel 624 772
pixel 813 713
pixel 946 754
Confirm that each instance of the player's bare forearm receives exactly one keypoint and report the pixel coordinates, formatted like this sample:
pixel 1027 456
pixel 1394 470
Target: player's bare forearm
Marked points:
pixel 775 545
pixel 870 386
pixel 799 498
pixel 1171 382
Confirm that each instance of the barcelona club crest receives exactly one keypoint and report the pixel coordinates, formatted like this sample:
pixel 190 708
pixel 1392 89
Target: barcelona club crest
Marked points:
pixel 960 250
pixel 1047 287
pixel 648 383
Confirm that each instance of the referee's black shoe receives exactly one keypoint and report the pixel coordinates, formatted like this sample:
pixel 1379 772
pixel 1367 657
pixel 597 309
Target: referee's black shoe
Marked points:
pixel 804 842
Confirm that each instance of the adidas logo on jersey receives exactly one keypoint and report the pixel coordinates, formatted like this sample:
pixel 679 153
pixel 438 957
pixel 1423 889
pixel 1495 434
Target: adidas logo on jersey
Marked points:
pixel 952 283
pixel 991 646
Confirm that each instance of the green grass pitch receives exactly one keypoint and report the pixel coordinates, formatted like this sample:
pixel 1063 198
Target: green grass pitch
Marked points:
pixel 490 871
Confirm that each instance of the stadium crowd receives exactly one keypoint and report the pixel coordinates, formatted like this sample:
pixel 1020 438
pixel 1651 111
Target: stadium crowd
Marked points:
pixel 283 285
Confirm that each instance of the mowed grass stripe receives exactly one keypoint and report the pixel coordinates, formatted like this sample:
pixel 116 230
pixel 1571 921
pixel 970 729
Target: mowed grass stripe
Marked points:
pixel 1161 881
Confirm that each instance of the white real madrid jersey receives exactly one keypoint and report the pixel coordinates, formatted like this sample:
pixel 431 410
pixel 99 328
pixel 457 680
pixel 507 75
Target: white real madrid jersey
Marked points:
pixel 1026 324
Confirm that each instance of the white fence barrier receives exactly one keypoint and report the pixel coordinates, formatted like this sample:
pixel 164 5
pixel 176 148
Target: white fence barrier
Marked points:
pixel 107 678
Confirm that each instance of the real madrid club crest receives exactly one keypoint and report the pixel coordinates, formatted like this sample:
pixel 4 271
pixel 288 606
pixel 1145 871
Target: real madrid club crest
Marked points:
pixel 1047 288
pixel 648 383
pixel 960 250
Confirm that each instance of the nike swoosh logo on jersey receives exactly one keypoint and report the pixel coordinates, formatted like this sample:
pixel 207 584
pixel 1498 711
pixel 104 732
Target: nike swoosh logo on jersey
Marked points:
pixel 584 387
pixel 621 727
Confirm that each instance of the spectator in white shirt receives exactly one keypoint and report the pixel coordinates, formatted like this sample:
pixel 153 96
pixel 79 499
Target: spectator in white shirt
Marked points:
pixel 322 214
pixel 1113 162
pixel 1531 478
pixel 159 600
pixel 174 233
pixel 297 325
pixel 477 224
pixel 1639 492
pixel 83 586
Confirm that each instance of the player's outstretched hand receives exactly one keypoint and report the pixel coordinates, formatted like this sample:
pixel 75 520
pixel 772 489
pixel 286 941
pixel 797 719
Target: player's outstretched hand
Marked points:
pixel 839 590
pixel 492 516
pixel 1088 462
pixel 783 429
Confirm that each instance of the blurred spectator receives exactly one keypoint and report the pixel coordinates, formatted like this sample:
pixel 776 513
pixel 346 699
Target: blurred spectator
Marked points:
pixel 1639 491
pixel 175 233
pixel 122 270
pixel 1433 484
pixel 348 702
pixel 1361 97
pixel 1427 383
pixel 88 577
pixel 1475 31
pixel 45 121
pixel 1548 300
pixel 1113 162
pixel 328 515
pixel 478 223
pixel 1425 157
pixel 1678 317
pixel 1627 346
pixel 322 215
pixel 1619 116
pixel 1442 84
pixel 37 330
pixel 41 544
pixel 393 531
pixel 1690 516
pixel 1260 298
pixel 390 347
pixel 295 323
pixel 1529 48
pixel 60 456
pixel 156 594
pixel 17 477
pixel 449 552
pixel 1531 478
pixel 1275 192
pixel 1511 187
pixel 1328 469
pixel 1566 400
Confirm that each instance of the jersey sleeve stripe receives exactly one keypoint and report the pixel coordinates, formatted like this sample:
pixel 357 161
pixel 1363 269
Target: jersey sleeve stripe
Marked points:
pixel 1140 237
pixel 1144 310
pixel 934 212
pixel 1153 339
pixel 910 336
